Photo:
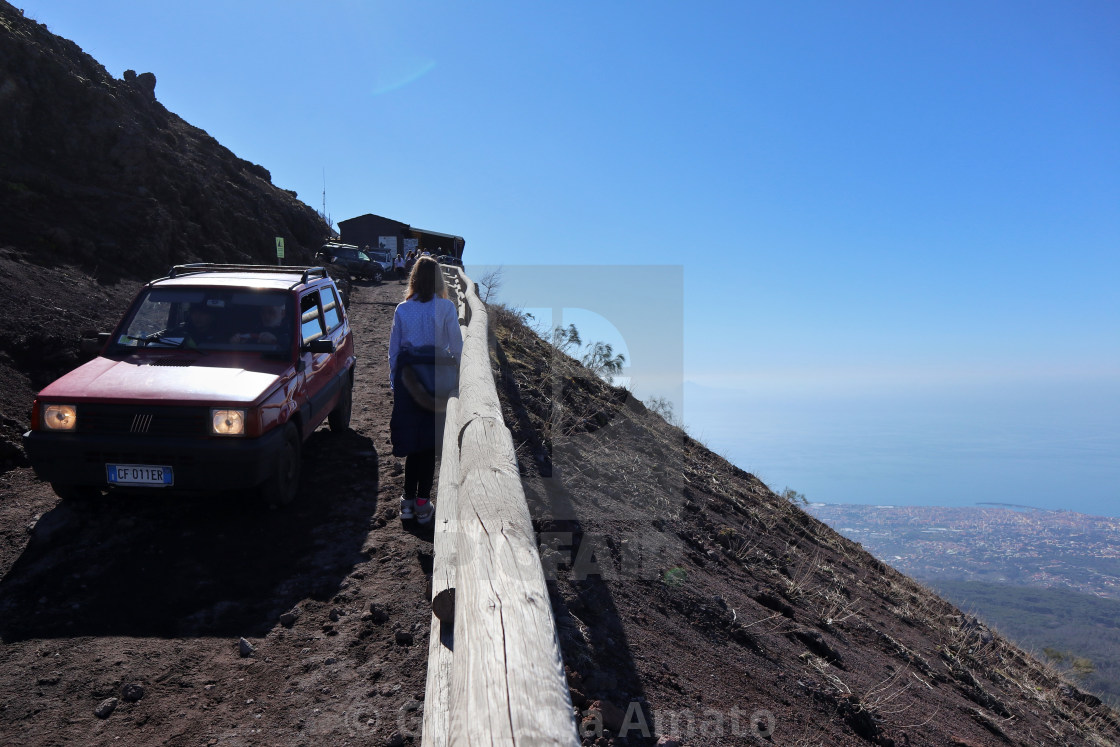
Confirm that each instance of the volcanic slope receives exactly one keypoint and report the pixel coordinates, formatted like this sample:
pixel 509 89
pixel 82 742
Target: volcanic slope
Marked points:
pixel 94 171
pixel 693 602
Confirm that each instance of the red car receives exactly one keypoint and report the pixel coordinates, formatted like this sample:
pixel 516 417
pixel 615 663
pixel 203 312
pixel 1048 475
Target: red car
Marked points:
pixel 213 380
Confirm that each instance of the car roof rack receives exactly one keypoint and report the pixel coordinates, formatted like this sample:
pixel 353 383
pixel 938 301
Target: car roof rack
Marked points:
pixel 306 273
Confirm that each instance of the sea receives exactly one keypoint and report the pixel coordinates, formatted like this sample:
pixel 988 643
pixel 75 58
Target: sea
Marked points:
pixel 1050 445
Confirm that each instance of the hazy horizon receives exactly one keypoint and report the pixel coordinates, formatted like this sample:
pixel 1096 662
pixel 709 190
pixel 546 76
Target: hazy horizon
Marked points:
pixel 1051 445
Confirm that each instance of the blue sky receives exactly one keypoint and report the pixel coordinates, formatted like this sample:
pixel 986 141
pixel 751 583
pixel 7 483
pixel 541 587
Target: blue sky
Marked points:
pixel 872 202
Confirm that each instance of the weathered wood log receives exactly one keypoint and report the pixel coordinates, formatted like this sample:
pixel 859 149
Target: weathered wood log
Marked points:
pixel 495 676
pixel 477 395
pixel 508 683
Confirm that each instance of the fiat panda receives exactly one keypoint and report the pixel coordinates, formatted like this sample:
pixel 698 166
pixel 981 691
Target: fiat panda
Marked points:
pixel 212 380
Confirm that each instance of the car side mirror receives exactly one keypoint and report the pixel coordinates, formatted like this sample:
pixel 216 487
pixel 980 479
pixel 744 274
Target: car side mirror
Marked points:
pixel 322 345
pixel 90 345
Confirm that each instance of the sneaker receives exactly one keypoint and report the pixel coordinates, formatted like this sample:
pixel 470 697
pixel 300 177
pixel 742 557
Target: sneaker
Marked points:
pixel 407 506
pixel 424 510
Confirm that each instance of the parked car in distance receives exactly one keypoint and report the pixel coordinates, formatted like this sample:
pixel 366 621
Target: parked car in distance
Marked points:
pixel 381 257
pixel 359 264
pixel 213 380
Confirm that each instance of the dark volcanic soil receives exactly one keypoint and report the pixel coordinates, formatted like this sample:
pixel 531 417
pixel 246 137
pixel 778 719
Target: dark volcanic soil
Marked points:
pixel 156 592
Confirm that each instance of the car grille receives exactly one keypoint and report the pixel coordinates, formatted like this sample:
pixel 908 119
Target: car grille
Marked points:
pixel 143 420
pixel 178 461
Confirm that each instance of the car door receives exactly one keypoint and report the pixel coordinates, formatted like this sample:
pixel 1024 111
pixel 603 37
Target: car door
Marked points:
pixel 314 373
pixel 338 330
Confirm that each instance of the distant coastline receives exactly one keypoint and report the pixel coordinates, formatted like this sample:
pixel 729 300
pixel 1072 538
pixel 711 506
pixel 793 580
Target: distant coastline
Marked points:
pixel 1016 507
pixel 992 543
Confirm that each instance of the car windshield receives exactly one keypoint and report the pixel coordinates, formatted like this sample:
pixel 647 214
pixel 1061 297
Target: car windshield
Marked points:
pixel 210 319
pixel 364 256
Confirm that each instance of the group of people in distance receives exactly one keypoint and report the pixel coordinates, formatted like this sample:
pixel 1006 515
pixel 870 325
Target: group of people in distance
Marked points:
pixel 403 264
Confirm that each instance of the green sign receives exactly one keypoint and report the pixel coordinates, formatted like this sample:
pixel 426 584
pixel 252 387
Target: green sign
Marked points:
pixel 279 247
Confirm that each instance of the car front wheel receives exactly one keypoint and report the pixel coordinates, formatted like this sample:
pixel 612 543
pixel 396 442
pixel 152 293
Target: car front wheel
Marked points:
pixel 283 484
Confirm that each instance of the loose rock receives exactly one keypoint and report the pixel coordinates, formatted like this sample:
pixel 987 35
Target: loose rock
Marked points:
pixel 106 708
pixel 378 613
pixel 245 648
pixel 132 692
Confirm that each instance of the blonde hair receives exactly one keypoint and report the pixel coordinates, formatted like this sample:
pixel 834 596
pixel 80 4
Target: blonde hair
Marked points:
pixel 425 281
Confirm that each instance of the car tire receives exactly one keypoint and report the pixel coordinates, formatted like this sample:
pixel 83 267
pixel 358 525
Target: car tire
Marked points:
pixel 76 493
pixel 282 485
pixel 339 417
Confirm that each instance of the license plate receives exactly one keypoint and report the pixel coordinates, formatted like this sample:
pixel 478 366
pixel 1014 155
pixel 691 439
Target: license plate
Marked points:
pixel 139 474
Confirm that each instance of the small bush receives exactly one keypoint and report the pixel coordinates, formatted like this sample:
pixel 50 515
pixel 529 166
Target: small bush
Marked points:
pixel 791 495
pixel 674 577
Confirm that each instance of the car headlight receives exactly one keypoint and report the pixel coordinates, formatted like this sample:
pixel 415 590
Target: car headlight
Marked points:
pixel 60 417
pixel 227 422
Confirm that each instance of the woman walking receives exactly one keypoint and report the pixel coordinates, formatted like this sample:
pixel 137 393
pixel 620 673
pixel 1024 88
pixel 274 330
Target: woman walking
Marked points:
pixel 425 345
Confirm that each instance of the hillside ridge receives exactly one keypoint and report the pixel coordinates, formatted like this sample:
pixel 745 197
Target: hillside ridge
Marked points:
pixel 94 171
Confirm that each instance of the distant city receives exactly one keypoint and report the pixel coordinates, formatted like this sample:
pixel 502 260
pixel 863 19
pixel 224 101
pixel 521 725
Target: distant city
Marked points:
pixel 1048 580
pixel 996 543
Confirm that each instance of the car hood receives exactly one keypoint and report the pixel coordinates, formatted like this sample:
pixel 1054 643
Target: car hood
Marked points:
pixel 168 380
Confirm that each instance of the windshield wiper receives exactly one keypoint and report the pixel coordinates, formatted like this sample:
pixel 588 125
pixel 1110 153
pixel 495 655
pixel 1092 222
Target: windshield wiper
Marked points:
pixel 159 337
pixel 168 339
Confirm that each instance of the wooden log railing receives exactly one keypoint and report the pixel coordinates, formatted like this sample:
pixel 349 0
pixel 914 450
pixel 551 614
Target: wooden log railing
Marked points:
pixel 495 675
